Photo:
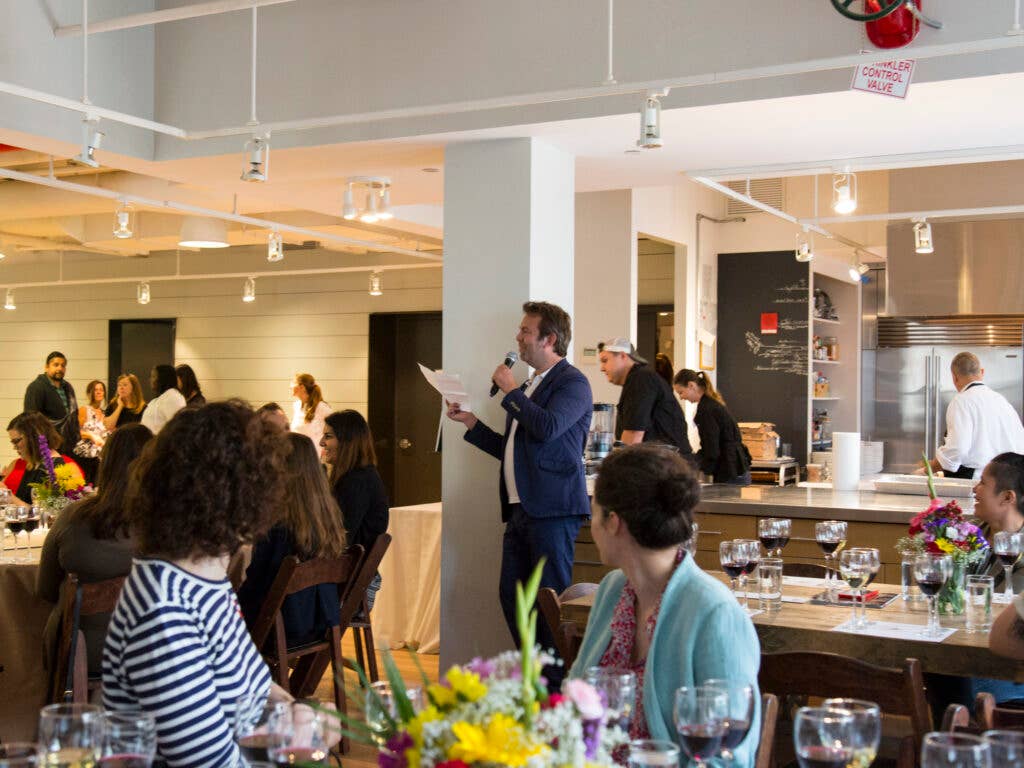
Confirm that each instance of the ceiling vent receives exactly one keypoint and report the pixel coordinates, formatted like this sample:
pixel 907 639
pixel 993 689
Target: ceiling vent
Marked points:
pixel 767 191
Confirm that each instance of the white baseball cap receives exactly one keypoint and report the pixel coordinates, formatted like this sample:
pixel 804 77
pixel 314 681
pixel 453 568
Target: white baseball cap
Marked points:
pixel 620 344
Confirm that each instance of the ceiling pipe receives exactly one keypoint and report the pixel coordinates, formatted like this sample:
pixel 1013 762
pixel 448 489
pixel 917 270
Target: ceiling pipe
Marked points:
pixel 525 100
pixel 251 221
pixel 947 213
pixel 193 11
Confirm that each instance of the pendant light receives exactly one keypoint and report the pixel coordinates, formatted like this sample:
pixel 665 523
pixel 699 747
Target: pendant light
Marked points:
pixel 249 290
pixel 804 250
pixel 142 293
pixel 923 237
pixel 9 300
pixel 275 247
pixel 844 192
pixel 122 221
pixel 376 284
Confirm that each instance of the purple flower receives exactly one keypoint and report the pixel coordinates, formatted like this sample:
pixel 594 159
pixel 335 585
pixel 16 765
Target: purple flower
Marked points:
pixel 591 736
pixel 393 755
pixel 482 667
pixel 44 451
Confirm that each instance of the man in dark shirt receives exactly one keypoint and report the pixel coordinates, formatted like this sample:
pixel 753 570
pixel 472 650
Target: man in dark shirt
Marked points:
pixel 53 397
pixel 648 411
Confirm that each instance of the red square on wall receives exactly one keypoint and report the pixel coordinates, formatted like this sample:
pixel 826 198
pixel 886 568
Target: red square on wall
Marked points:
pixel 769 322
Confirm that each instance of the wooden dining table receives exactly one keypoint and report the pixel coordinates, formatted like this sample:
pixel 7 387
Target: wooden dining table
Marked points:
pixel 810 627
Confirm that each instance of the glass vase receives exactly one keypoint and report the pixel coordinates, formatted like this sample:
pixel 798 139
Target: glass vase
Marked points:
pixel 952 598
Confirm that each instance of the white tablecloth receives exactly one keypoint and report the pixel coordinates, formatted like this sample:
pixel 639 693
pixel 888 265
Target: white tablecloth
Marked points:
pixel 408 607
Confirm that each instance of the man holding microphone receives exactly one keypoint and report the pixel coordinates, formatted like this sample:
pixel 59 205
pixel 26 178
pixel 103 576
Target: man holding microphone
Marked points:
pixel 542 486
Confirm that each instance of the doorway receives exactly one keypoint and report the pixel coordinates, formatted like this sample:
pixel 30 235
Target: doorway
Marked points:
pixel 656 292
pixel 135 346
pixel 404 411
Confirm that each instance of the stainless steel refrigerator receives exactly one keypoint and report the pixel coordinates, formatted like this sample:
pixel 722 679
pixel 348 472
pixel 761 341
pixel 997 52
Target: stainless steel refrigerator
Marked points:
pixel 913 387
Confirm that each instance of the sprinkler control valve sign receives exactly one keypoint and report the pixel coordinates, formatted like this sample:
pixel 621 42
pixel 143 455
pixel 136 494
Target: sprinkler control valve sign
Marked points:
pixel 886 78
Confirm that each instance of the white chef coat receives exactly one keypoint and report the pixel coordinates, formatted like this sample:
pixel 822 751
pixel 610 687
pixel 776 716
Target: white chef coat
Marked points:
pixel 161 408
pixel 314 429
pixel 980 424
pixel 510 470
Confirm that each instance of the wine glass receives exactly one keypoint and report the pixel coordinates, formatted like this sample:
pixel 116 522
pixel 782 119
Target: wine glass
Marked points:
pixel 855 568
pixel 303 737
pixel 783 526
pixel 931 572
pixel 259 726
pixel 1007 747
pixel 15 526
pixel 768 533
pixel 751 549
pixel 20 754
pixel 617 689
pixel 700 714
pixel 867 727
pixel 823 737
pixel 1008 545
pixel 955 750
pixel 71 734
pixel 32 520
pixel 690 545
pixel 733 560
pixel 652 753
pixel 874 558
pixel 831 536
pixel 739 713
pixel 129 739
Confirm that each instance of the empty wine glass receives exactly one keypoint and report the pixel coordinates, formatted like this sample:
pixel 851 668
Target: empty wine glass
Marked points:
pixel 823 737
pixel 617 689
pixel 700 714
pixel 831 537
pixel 71 734
pixel 1007 747
pixel 867 728
pixel 751 549
pixel 732 558
pixel 382 713
pixel 955 750
pixel 740 704
pixel 129 739
pixel 855 568
pixel 1008 545
pixel 20 754
pixel 931 572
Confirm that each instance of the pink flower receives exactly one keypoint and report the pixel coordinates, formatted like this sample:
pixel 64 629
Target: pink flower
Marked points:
pixel 584 696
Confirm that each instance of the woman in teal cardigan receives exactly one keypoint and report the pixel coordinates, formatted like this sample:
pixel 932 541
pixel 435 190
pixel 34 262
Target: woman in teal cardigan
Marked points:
pixel 660 615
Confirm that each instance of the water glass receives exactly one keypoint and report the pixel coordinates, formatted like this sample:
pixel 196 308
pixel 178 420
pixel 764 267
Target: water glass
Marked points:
pixel 955 750
pixel 979 604
pixel 909 590
pixel 701 715
pixel 20 754
pixel 653 753
pixel 770 579
pixel 129 739
pixel 1007 747
pixel 617 689
pixel 71 734
pixel 867 727
pixel 823 737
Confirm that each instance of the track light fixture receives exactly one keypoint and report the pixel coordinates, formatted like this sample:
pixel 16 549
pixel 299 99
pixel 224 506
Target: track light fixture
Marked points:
pixel 122 221
pixel 142 293
pixel 858 269
pixel 9 300
pixel 378 199
pixel 275 247
pixel 923 236
pixel 804 249
pixel 844 192
pixel 92 138
pixel 376 284
pixel 256 162
pixel 650 120
pixel 249 290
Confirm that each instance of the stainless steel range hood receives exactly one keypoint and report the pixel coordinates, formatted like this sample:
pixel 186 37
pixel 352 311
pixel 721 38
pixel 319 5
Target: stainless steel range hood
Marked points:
pixel 976 269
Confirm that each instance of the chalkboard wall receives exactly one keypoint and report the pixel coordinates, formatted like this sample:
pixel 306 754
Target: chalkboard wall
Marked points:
pixel 763 377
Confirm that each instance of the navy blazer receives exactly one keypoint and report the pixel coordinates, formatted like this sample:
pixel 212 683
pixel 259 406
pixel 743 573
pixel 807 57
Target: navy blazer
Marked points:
pixel 549 444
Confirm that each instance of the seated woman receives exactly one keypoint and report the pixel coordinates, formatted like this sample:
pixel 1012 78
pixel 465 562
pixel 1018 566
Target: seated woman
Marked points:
pixel 309 527
pixel 660 615
pixel 177 646
pixel 91 540
pixel 128 404
pixel 30 466
pixel 355 482
pixel 999 503
pixel 722 454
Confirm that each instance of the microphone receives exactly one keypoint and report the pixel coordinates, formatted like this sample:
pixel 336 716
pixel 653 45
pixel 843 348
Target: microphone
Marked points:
pixel 510 359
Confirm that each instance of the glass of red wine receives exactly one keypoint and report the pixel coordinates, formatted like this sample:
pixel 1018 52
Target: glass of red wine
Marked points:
pixel 259 726
pixel 129 739
pixel 739 714
pixel 304 739
pixel 774 534
pixel 824 737
pixel 732 558
pixel 751 554
pixel 1007 546
pixel 20 754
pixel 701 717
pixel 831 537
pixel 931 572
pixel 617 689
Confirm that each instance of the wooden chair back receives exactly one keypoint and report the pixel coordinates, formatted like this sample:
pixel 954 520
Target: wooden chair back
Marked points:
pixel 70 681
pixel 989 716
pixel 897 691
pixel 568 634
pixel 769 719
pixel 804 570
pixel 360 623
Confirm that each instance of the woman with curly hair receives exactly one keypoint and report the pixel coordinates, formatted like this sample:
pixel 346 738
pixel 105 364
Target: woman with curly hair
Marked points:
pixel 309 409
pixel 29 468
pixel 177 646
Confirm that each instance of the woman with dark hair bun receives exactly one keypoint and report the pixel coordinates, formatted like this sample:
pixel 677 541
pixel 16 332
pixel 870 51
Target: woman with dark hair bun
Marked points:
pixel 188 385
pixel 722 454
pixel 660 615
pixel 355 482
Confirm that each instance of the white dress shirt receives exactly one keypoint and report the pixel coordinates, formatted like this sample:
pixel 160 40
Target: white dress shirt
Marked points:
pixel 161 408
pixel 510 470
pixel 980 424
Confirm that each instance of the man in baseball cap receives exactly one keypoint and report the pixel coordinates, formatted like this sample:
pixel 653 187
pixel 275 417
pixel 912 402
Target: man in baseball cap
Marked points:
pixel 647 410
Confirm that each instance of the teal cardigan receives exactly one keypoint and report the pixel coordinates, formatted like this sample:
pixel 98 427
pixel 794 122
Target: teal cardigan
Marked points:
pixel 701 633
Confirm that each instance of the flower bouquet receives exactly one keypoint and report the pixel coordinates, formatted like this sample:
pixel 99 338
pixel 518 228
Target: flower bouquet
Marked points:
pixel 63 484
pixel 943 528
pixel 493 712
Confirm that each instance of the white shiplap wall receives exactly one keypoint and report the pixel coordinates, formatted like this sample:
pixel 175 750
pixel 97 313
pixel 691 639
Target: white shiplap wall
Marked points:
pixel 313 324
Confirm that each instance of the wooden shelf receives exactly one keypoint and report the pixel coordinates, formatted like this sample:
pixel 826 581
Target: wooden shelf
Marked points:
pixel 825 321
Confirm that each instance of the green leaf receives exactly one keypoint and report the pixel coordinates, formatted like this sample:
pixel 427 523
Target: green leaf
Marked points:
pixel 402 703
pixel 423 675
pixel 931 477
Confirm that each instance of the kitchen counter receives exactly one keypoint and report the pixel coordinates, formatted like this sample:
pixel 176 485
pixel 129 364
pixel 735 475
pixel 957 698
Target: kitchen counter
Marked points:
pixel 815 503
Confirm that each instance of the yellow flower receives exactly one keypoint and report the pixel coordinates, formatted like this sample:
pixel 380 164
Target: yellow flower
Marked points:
pixel 69 477
pixel 442 696
pixel 945 546
pixel 467 685
pixel 503 742
pixel 415 726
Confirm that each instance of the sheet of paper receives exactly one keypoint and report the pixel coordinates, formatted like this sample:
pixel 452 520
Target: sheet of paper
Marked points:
pixel 449 385
pixel 785 598
pixel 1001 597
pixel 894 630
pixel 803 581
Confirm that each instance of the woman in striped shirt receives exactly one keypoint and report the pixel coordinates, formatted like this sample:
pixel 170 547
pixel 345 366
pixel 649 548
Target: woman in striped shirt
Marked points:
pixel 177 646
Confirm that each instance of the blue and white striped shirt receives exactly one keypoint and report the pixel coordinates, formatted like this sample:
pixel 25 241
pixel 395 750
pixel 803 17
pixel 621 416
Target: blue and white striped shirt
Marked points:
pixel 177 647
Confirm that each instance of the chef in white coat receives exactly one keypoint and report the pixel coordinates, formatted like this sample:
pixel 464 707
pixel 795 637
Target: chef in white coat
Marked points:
pixel 980 423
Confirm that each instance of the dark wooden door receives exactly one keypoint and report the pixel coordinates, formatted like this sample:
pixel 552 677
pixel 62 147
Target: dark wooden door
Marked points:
pixel 135 346
pixel 404 411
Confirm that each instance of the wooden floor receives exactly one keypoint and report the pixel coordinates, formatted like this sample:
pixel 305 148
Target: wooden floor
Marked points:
pixel 362 756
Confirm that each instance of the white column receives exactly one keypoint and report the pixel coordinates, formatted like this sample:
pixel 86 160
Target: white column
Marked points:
pixel 508 209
